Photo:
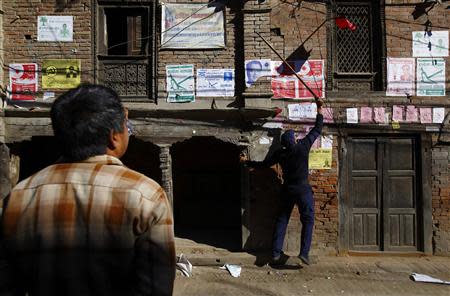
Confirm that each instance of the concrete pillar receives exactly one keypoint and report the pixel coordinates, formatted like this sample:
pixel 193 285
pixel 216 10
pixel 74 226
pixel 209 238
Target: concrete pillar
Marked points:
pixel 166 170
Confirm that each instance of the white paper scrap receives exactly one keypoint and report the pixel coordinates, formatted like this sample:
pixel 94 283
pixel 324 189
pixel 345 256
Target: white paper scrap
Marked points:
pixel 184 265
pixel 234 270
pixel 417 277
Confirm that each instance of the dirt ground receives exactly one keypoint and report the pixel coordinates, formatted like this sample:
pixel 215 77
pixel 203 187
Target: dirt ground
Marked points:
pixel 329 276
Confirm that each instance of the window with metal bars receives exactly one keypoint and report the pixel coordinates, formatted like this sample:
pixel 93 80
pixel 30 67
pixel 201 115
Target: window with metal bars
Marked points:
pixel 126 48
pixel 355 59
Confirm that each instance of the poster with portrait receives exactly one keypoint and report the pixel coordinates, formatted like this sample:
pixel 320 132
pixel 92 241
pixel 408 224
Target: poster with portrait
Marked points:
pixel 430 44
pixel 55 28
pixel 254 69
pixel 180 83
pixel 303 111
pixel 310 71
pixel 215 82
pixel 187 26
pixel 430 77
pixel 61 74
pixel 400 77
pixel 23 81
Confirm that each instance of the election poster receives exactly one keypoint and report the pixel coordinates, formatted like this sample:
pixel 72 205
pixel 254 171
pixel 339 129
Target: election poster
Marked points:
pixel 215 82
pixel 320 158
pixel 180 83
pixel 255 69
pixel 187 26
pixel 430 77
pixel 430 44
pixel 303 111
pixel 310 71
pixel 61 74
pixel 400 77
pixel 55 28
pixel 23 81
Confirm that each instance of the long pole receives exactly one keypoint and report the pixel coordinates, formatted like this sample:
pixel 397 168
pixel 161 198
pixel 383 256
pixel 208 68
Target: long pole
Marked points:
pixel 316 98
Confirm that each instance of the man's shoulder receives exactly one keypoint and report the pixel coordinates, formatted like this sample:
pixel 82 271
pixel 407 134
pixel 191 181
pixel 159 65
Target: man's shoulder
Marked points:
pixel 115 177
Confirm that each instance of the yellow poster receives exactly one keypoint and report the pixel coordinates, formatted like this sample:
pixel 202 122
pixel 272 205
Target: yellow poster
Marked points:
pixel 61 74
pixel 320 159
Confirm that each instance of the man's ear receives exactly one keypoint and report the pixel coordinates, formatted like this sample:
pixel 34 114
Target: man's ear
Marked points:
pixel 113 140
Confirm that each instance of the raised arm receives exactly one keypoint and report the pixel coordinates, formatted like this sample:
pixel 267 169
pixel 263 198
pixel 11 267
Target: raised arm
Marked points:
pixel 309 139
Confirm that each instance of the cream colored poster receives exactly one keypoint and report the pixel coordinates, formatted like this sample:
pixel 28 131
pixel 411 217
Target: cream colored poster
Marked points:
pixel 61 74
pixel 320 159
pixel 191 26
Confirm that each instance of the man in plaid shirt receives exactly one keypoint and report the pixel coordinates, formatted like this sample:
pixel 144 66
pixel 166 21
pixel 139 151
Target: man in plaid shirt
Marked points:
pixel 88 225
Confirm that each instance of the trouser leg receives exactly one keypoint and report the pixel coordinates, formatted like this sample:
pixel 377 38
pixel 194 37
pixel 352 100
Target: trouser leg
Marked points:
pixel 281 223
pixel 306 209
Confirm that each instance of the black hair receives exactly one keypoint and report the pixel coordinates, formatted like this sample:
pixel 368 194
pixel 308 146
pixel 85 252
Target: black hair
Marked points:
pixel 83 118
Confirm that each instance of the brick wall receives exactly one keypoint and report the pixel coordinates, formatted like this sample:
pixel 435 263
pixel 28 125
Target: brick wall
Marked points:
pixel 20 31
pixel 441 199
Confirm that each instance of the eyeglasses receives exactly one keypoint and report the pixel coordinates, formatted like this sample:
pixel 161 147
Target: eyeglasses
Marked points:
pixel 130 128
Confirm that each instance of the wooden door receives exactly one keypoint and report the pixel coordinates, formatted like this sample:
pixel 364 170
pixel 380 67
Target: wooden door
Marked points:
pixel 382 194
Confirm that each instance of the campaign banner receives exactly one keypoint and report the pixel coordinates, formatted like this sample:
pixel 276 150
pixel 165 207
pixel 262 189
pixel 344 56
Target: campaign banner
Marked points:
pixel 61 74
pixel 310 71
pixel 215 82
pixel 191 26
pixel 23 81
pixel 430 44
pixel 55 28
pixel 255 69
pixel 400 77
pixel 180 83
pixel 430 77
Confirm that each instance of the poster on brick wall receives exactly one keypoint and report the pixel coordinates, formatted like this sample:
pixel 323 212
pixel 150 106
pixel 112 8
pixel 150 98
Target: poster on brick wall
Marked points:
pixel 303 111
pixel 180 83
pixel 23 81
pixel 254 69
pixel 430 44
pixel 431 77
pixel 187 26
pixel 400 77
pixel 61 74
pixel 55 28
pixel 215 82
pixel 311 73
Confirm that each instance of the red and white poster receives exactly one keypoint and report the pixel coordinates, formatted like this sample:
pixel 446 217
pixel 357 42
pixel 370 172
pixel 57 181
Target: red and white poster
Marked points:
pixel 23 81
pixel 311 73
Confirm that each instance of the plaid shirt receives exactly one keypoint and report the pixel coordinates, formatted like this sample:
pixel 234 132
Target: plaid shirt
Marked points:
pixel 89 228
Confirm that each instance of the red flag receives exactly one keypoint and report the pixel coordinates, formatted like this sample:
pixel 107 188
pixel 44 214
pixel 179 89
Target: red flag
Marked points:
pixel 344 23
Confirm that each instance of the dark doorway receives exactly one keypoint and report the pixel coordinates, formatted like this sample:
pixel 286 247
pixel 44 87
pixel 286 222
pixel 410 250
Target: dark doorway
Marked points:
pixel 35 155
pixel 384 200
pixel 143 157
pixel 207 192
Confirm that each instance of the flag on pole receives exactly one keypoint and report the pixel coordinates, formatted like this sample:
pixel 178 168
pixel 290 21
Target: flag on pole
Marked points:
pixel 343 23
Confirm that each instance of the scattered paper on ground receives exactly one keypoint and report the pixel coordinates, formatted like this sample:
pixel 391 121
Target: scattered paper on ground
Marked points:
pixel 417 277
pixel 234 270
pixel 184 265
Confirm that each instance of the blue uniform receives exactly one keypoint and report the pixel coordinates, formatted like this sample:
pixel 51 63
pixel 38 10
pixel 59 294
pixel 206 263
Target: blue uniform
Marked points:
pixel 293 158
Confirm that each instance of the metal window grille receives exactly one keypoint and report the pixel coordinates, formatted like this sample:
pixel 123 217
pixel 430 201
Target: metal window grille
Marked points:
pixel 354 48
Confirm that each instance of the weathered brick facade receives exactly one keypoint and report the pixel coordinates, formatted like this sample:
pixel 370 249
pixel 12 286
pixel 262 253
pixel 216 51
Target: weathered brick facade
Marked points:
pixel 297 30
